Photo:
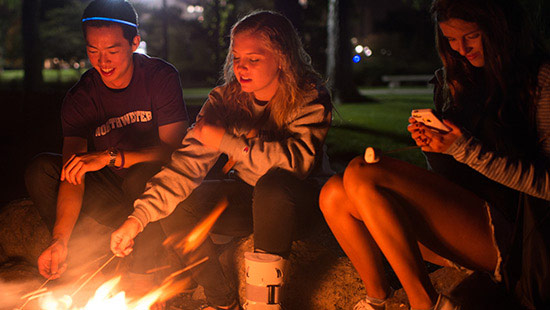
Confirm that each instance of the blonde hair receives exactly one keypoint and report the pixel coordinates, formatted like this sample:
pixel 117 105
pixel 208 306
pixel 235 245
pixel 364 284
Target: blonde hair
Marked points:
pixel 296 75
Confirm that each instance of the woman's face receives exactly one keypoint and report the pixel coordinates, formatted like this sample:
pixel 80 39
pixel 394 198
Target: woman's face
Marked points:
pixel 255 66
pixel 465 38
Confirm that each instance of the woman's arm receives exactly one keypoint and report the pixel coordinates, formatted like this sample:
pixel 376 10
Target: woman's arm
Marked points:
pixel 185 171
pixel 254 156
pixel 532 178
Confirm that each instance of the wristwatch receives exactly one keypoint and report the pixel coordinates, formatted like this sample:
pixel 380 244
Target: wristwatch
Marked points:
pixel 113 152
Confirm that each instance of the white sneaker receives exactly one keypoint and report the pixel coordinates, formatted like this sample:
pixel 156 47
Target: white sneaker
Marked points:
pixel 445 303
pixel 363 304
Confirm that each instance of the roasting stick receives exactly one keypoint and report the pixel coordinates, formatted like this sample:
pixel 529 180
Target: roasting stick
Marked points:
pixel 402 149
pixel 373 156
pixel 39 290
pixel 93 275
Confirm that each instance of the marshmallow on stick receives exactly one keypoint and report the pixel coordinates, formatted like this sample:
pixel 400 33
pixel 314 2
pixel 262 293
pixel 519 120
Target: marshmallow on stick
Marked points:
pixel 371 156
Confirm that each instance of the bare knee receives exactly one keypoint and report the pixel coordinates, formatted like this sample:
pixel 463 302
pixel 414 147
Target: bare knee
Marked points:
pixel 361 178
pixel 332 195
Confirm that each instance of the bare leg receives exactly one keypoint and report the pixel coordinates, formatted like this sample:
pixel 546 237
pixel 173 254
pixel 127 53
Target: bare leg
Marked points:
pixel 353 236
pixel 401 204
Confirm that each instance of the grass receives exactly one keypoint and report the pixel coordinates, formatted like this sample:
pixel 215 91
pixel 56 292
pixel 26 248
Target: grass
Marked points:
pixel 50 75
pixel 382 125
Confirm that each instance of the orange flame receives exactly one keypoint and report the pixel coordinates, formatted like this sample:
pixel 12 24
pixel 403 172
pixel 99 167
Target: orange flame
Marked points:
pixel 197 236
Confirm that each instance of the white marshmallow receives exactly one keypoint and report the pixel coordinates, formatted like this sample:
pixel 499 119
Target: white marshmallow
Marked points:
pixel 371 156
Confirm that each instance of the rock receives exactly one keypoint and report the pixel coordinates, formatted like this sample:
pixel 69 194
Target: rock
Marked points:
pixel 22 232
pixel 321 277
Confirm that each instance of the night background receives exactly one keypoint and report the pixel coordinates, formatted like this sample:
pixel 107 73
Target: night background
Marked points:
pixel 353 43
pixel 357 45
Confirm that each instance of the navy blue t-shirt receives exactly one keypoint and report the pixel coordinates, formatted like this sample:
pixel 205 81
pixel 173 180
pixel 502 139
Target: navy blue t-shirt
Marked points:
pixel 128 118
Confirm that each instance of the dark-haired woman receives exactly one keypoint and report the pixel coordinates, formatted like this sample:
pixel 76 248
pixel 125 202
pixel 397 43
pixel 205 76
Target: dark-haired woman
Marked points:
pixel 494 93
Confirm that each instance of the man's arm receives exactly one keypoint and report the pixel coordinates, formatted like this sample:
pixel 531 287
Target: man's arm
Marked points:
pixel 170 136
pixel 69 202
pixel 78 165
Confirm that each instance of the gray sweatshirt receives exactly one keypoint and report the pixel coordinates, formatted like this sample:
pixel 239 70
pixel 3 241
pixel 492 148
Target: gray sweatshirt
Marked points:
pixel 532 178
pixel 302 152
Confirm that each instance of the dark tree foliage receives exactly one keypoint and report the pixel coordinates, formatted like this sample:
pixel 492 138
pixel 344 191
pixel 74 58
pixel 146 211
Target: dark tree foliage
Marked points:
pixel 292 10
pixel 10 33
pixel 61 32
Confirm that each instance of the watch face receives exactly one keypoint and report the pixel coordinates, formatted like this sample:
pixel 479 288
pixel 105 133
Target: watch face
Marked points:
pixel 112 154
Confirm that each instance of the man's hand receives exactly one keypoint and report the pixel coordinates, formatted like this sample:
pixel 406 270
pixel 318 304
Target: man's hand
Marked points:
pixel 122 239
pixel 430 140
pixel 209 135
pixel 51 263
pixel 78 164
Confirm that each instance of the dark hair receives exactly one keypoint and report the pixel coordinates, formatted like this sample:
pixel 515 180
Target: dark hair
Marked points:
pixel 513 53
pixel 120 10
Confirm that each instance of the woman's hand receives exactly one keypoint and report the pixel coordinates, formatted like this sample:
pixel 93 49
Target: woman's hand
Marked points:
pixel 430 140
pixel 122 239
pixel 78 164
pixel 209 135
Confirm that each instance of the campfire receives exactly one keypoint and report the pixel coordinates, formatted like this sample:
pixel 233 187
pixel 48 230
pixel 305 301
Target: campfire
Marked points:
pixel 108 296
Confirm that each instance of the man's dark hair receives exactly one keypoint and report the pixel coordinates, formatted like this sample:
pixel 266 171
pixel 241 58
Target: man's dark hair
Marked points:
pixel 108 13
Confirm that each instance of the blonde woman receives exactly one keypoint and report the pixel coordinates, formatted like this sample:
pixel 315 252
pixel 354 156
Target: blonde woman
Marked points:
pixel 270 117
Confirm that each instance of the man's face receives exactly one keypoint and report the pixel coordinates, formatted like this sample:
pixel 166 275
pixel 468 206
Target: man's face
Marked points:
pixel 111 55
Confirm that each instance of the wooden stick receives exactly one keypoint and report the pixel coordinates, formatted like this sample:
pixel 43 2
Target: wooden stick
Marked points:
pixel 35 292
pixel 93 275
pixel 401 149
pixel 193 265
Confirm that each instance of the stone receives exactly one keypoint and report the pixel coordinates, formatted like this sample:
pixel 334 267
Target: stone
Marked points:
pixel 22 232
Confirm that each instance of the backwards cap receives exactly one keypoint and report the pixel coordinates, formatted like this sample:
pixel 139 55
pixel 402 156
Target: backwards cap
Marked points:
pixel 117 11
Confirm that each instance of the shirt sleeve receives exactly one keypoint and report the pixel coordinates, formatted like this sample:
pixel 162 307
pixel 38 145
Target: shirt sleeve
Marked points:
pixel 75 115
pixel 530 177
pixel 296 153
pixel 168 97
pixel 175 182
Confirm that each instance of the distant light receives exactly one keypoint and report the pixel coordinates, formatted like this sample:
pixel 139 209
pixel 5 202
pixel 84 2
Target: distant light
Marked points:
pixel 359 49
pixel 142 48
pixel 194 9
pixel 356 58
pixel 368 51
pixel 354 41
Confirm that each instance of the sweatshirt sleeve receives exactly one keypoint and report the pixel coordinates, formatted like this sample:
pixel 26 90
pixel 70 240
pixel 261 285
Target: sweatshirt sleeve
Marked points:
pixel 296 153
pixel 530 177
pixel 173 184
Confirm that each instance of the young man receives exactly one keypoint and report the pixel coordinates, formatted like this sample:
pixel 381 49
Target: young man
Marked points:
pixel 120 122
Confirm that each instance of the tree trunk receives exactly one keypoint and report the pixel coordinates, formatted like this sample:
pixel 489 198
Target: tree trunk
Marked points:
pixel 339 56
pixel 32 55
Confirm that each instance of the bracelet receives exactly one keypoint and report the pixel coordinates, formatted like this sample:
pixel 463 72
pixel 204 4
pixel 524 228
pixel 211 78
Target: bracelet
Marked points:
pixel 122 161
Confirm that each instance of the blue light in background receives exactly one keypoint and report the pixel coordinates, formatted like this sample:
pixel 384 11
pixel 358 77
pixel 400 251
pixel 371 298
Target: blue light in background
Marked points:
pixel 356 58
